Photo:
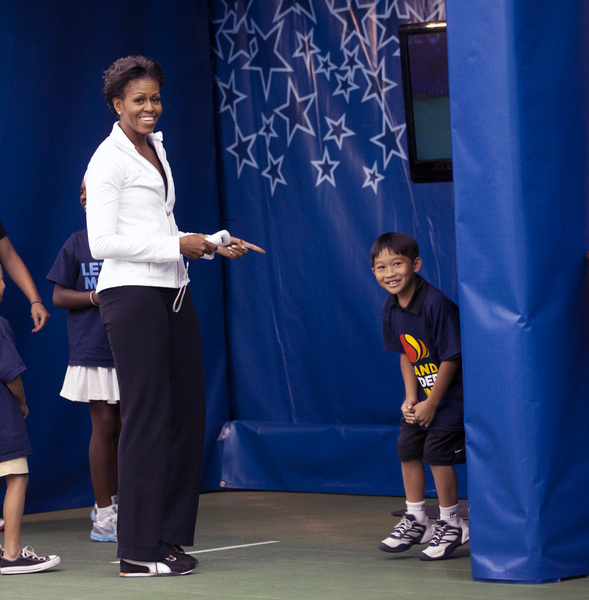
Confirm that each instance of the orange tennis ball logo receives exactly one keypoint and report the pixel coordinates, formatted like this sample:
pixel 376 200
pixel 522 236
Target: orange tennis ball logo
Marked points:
pixel 414 349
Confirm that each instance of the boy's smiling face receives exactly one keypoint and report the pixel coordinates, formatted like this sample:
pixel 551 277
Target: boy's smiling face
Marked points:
pixel 396 274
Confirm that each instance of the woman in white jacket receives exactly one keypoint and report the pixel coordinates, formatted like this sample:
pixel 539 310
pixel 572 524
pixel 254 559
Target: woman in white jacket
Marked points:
pixel 151 323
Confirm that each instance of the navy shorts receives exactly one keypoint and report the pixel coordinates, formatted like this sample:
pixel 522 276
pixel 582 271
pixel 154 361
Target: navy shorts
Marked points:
pixel 439 448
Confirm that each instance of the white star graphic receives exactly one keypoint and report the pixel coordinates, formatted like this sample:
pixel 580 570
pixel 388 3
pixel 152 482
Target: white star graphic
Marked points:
pixel 274 172
pixel 266 59
pixel 241 149
pixel 378 84
pixel 337 130
pixel 373 177
pixel 345 85
pixel 230 95
pixel 326 168
pixel 293 109
pixel 385 140
pixel 325 65
pixel 267 129
pixel 306 47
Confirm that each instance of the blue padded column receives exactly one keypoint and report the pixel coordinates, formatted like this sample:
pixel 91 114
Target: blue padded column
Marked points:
pixel 518 111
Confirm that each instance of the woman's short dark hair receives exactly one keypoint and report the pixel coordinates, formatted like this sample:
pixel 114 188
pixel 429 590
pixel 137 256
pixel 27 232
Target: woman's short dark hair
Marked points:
pixel 395 243
pixel 124 70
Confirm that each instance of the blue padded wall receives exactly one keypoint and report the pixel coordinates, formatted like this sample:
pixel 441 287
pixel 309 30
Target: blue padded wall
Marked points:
pixel 519 115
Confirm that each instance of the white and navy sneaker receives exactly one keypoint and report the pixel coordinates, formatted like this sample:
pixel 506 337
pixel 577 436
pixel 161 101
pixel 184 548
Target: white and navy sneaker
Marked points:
pixel 176 550
pixel 106 530
pixel 174 564
pixel 407 533
pixel 27 562
pixel 445 539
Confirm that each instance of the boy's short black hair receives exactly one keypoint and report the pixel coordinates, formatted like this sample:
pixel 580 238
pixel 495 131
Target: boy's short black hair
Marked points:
pixel 395 243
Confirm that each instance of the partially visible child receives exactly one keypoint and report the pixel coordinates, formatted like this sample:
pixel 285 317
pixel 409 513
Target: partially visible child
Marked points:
pixel 14 449
pixel 90 376
pixel 18 272
pixel 422 324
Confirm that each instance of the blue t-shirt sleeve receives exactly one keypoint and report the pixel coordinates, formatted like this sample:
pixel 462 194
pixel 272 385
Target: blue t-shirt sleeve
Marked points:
pixel 65 268
pixel 11 364
pixel 445 325
pixel 390 336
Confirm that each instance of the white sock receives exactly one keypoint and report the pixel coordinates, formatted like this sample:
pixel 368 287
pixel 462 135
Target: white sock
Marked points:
pixel 417 509
pixel 450 515
pixel 102 513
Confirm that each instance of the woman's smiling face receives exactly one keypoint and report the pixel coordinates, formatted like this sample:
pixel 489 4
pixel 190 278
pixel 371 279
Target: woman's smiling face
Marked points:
pixel 140 109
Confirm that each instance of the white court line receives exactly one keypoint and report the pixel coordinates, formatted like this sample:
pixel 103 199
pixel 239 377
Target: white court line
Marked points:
pixel 114 562
pixel 233 547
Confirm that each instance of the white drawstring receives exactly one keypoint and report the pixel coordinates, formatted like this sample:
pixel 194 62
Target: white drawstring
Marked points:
pixel 180 295
pixel 179 299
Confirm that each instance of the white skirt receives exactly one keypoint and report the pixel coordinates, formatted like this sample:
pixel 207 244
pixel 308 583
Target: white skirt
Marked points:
pixel 83 384
pixel 15 466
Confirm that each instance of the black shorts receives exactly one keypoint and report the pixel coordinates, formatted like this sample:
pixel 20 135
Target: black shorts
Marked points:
pixel 439 448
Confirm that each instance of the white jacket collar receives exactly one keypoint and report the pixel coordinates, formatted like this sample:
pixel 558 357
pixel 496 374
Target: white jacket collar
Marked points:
pixel 120 138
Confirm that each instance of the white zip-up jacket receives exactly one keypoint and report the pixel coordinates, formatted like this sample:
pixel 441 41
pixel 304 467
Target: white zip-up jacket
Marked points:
pixel 130 218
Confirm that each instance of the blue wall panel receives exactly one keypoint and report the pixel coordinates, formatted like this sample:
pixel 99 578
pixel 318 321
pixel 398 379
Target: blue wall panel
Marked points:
pixel 519 139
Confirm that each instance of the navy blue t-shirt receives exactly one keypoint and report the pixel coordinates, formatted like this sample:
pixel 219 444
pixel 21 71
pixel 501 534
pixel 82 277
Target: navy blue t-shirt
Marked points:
pixel 74 268
pixel 14 439
pixel 427 330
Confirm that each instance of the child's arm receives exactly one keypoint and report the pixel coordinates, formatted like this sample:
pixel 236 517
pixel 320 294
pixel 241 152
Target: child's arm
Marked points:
pixel 72 299
pixel 18 272
pixel 425 411
pixel 411 389
pixel 16 387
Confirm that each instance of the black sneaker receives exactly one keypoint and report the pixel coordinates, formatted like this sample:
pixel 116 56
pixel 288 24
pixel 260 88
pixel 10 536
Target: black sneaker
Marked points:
pixel 174 564
pixel 27 562
pixel 175 550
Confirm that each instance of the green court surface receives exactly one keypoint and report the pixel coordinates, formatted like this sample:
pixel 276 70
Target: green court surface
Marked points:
pixel 266 546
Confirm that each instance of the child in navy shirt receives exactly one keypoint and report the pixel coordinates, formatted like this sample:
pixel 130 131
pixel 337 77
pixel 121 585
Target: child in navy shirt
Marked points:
pixel 90 376
pixel 14 449
pixel 422 325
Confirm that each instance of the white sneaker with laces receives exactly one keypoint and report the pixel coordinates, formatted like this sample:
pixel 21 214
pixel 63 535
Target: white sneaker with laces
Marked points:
pixel 105 530
pixel 407 533
pixel 445 539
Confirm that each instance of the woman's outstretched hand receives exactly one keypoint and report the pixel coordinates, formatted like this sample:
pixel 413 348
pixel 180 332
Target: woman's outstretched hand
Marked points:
pixel 237 248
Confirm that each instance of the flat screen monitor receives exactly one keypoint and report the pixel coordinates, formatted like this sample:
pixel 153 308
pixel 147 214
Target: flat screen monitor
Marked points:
pixel 424 64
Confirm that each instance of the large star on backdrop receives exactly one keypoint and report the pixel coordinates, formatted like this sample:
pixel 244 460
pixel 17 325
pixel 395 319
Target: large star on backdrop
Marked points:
pixel 266 59
pixel 354 17
pixel 390 140
pixel 230 95
pixel 294 112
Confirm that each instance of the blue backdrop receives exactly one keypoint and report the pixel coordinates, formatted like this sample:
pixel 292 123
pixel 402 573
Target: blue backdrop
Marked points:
pixel 53 118
pixel 311 141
